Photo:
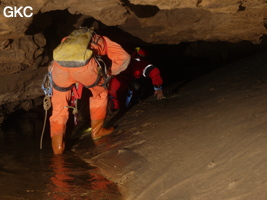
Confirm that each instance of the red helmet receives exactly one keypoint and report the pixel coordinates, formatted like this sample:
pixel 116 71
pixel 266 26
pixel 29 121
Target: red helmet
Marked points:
pixel 140 52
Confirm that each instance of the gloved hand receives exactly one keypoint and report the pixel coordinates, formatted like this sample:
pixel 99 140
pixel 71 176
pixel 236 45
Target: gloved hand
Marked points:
pixel 158 94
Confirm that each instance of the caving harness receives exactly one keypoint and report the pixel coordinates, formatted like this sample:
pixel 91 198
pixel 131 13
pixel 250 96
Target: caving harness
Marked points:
pixel 76 89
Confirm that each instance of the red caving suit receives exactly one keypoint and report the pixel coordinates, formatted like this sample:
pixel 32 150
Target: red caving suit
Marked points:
pixel 138 67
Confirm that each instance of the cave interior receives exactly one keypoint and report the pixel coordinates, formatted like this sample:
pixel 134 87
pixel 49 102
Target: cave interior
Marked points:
pixel 178 63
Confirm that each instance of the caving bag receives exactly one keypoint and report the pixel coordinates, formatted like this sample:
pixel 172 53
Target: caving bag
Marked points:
pixel 74 51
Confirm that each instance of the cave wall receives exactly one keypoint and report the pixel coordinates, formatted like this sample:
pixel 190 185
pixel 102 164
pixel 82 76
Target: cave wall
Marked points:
pixel 208 20
pixel 26 43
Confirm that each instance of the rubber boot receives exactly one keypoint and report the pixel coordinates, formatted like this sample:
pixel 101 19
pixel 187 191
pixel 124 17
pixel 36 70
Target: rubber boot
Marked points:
pixel 97 129
pixel 58 144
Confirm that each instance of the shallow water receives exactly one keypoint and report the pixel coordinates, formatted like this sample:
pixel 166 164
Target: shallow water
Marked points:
pixel 29 173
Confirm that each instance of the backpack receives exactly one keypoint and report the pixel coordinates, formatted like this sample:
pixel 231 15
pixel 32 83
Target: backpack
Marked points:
pixel 74 51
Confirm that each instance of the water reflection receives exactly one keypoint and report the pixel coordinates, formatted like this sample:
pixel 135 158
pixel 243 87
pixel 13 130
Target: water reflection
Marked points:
pixel 61 180
pixel 26 172
pixel 74 181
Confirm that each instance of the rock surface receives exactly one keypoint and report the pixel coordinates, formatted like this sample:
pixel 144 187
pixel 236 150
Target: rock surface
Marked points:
pixel 206 142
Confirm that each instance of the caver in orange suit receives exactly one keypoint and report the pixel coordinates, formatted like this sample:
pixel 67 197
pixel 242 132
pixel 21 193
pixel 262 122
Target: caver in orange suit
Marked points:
pixel 64 77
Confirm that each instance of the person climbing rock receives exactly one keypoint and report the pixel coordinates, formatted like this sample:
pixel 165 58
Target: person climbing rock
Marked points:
pixel 130 82
pixel 68 71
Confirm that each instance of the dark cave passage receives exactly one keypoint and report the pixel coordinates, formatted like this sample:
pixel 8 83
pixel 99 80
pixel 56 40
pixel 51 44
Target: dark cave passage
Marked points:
pixel 179 62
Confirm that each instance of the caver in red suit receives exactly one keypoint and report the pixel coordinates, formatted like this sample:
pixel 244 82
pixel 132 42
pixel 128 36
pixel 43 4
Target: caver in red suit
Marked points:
pixel 138 67
pixel 64 77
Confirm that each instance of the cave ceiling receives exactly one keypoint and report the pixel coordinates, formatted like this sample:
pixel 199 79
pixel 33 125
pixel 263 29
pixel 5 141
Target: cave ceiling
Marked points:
pixel 157 21
pixel 23 40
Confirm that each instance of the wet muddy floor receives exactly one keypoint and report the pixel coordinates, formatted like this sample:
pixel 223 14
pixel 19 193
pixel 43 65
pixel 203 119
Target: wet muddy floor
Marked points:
pixel 30 173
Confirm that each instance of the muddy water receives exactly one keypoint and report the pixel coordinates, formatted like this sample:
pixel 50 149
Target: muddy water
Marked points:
pixel 28 173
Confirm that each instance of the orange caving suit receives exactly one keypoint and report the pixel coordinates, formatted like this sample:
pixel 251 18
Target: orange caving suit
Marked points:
pixel 85 75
